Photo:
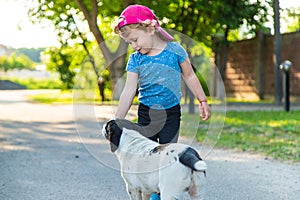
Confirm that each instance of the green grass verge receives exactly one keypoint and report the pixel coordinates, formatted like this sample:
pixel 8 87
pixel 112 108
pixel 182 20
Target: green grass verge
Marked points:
pixel 65 97
pixel 53 96
pixel 37 83
pixel 73 96
pixel 273 133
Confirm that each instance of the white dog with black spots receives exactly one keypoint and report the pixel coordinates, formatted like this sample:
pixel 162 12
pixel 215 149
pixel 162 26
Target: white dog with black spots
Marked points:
pixel 148 167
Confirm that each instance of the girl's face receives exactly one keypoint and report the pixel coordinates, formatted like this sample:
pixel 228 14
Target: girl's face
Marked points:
pixel 140 40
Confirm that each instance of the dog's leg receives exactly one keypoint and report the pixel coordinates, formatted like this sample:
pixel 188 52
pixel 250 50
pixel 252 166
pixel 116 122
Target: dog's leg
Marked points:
pixel 135 194
pixel 197 187
pixel 146 196
pixel 173 181
pixel 166 196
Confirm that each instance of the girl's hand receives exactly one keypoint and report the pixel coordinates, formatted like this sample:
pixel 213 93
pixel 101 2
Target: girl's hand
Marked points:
pixel 204 110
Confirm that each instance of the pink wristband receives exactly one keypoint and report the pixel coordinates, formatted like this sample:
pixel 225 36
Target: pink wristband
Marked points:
pixel 201 101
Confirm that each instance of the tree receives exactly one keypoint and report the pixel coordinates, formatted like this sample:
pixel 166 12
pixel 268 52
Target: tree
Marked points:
pixel 15 61
pixel 4 63
pixel 277 53
pixel 200 20
pixel 292 18
pixel 213 22
pixel 62 14
pixel 32 53
pixel 63 61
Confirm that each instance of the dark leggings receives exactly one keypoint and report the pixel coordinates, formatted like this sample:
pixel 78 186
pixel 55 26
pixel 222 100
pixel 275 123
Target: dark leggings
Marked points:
pixel 161 125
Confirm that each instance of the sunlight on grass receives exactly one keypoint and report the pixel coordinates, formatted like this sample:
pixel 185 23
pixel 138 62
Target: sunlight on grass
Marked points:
pixel 53 96
pixel 37 83
pixel 275 133
pixel 234 121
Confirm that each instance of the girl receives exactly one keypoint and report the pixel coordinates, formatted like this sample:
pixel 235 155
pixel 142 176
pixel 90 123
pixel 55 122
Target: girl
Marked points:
pixel 155 69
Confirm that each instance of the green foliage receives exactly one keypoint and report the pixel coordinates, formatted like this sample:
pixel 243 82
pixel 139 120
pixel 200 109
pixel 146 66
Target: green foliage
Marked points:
pixel 15 61
pixel 291 18
pixel 61 14
pixel 72 29
pixel 32 53
pixel 202 19
pixel 5 64
pixel 65 61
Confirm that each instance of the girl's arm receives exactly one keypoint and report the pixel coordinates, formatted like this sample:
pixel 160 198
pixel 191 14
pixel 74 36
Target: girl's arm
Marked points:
pixel 194 85
pixel 127 95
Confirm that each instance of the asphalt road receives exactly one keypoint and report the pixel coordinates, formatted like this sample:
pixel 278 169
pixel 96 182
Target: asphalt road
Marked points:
pixel 55 152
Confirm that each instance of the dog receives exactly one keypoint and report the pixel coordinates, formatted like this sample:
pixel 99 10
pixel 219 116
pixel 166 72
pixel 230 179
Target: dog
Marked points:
pixel 149 167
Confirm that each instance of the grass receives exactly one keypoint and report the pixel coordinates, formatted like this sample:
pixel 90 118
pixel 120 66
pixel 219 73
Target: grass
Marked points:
pixel 74 96
pixel 37 83
pixel 53 96
pixel 66 97
pixel 273 133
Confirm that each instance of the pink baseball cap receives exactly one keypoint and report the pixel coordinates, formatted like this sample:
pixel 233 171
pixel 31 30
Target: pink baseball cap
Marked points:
pixel 135 14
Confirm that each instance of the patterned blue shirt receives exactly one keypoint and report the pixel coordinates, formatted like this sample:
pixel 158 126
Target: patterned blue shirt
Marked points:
pixel 159 76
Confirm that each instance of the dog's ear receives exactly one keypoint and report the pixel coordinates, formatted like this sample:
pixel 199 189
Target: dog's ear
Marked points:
pixel 114 146
pixel 114 135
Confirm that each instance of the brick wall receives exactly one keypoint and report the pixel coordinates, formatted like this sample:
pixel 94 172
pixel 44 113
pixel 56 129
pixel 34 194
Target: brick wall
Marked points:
pixel 250 70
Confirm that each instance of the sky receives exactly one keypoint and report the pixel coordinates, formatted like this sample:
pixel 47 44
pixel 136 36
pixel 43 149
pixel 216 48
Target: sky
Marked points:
pixel 17 31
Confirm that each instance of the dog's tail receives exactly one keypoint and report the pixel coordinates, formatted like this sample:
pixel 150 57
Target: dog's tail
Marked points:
pixel 192 159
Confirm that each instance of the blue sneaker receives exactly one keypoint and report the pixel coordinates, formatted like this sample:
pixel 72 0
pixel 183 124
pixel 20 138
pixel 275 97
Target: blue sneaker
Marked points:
pixel 155 196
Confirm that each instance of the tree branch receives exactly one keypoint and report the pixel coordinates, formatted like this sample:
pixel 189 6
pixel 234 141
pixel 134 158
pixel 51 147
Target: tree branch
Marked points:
pixel 92 21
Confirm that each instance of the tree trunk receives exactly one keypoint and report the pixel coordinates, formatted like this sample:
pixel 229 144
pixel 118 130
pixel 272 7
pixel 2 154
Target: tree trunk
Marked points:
pixel 115 62
pixel 116 70
pixel 101 83
pixel 221 49
pixel 277 54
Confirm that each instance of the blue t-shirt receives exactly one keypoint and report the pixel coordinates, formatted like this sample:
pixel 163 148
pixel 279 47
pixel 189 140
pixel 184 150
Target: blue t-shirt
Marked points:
pixel 159 76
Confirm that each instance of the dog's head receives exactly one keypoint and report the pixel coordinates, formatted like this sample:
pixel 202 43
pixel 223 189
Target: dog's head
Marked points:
pixel 113 129
pixel 112 132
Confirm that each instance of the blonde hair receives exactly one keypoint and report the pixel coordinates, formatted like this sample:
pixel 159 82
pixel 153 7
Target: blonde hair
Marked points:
pixel 125 28
pixel 143 26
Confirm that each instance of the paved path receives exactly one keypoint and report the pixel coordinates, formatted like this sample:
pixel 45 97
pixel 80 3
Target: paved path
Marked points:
pixel 55 152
